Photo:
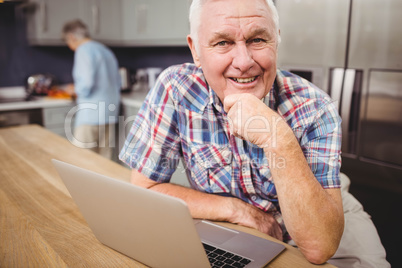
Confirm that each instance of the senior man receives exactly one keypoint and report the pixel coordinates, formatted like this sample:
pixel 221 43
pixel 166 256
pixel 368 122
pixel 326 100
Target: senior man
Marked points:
pixel 97 87
pixel 261 146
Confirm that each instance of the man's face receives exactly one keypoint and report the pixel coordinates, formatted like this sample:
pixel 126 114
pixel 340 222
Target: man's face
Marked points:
pixel 237 47
pixel 70 41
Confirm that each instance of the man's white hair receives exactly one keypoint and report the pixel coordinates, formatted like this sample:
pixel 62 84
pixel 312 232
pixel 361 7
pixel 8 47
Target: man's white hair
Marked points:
pixel 195 19
pixel 77 28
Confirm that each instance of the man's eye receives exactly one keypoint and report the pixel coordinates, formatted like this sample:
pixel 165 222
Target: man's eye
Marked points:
pixel 222 43
pixel 257 40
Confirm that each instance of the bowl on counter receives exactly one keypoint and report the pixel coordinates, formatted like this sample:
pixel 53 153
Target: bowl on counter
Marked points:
pixel 13 94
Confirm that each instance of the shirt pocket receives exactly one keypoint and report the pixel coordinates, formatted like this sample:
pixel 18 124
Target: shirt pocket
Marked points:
pixel 211 168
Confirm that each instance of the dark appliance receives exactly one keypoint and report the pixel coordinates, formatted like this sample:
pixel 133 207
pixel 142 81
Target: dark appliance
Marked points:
pixel 126 79
pixel 353 50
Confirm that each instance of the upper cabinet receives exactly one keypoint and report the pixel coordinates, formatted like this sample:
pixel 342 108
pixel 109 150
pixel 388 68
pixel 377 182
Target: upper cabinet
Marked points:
pixel 155 22
pixel 47 17
pixel 103 18
pixel 112 22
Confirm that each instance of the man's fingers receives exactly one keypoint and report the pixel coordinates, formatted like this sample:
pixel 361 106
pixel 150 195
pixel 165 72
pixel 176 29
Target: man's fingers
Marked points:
pixel 278 233
pixel 230 100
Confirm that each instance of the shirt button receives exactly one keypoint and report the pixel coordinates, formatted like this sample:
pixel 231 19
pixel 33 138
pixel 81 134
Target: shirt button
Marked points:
pixel 253 197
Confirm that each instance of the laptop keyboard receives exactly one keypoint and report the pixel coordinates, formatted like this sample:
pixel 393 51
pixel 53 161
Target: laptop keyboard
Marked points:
pixel 223 259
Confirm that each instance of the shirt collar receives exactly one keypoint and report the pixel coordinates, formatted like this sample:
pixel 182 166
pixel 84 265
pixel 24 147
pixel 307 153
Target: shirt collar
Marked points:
pixel 215 101
pixel 271 99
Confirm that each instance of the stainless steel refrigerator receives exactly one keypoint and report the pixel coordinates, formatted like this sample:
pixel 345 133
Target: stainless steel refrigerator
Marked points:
pixel 353 50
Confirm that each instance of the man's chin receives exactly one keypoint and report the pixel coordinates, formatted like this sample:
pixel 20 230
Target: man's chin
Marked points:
pixel 256 93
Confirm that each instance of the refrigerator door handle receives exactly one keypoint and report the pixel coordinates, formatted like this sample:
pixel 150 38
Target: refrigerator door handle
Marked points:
pixel 345 89
pixel 335 88
pixel 347 94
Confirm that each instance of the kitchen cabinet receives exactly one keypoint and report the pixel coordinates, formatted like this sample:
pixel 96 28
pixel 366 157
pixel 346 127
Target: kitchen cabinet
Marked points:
pixel 131 104
pixel 59 120
pixel 20 117
pixel 47 17
pixel 117 22
pixel 103 18
pixel 153 22
pixel 129 114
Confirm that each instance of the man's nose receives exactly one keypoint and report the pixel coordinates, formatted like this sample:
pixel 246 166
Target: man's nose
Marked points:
pixel 242 57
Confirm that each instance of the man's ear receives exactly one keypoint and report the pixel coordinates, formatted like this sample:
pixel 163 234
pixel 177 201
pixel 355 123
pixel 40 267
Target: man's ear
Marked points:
pixel 71 36
pixel 191 45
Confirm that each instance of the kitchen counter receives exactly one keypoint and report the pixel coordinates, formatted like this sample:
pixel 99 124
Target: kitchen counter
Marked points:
pixel 133 98
pixel 36 103
pixel 51 112
pixel 40 224
pixel 18 94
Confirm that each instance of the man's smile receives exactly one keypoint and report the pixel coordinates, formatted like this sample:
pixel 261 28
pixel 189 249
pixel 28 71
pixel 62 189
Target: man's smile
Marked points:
pixel 244 80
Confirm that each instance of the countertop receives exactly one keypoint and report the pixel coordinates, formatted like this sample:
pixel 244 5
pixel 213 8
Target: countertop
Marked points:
pixel 15 100
pixel 134 99
pixel 40 224
pixel 37 103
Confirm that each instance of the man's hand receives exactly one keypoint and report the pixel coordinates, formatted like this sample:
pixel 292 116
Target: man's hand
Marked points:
pixel 250 216
pixel 250 119
pixel 70 89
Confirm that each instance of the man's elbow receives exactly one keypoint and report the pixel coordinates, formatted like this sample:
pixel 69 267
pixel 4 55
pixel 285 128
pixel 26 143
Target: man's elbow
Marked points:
pixel 320 249
pixel 320 252
pixel 319 256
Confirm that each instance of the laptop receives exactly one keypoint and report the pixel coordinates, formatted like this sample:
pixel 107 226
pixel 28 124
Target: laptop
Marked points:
pixel 157 229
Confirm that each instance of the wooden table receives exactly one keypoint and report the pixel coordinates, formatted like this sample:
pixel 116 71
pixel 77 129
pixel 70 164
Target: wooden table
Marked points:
pixel 40 225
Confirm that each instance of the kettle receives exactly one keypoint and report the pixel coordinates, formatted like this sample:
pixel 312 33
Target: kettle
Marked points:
pixel 125 77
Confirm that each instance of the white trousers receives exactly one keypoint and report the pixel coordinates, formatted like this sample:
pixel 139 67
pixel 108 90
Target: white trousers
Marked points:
pixel 360 244
pixel 98 138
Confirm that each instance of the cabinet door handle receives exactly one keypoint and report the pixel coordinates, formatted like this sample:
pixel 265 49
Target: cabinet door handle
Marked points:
pixel 95 18
pixel 43 8
pixel 141 13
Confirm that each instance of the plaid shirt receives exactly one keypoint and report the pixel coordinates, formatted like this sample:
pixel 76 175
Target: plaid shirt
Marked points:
pixel 182 118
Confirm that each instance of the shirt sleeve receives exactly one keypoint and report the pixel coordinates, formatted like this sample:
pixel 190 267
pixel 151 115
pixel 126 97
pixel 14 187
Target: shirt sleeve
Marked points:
pixel 153 144
pixel 321 145
pixel 84 72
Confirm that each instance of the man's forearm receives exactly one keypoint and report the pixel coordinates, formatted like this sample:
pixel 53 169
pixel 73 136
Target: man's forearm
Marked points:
pixel 214 207
pixel 219 208
pixel 201 205
pixel 313 216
